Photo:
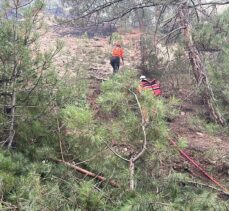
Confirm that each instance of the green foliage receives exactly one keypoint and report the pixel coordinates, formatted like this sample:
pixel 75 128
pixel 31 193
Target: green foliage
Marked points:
pixel 213 37
pixel 55 122
pixel 150 59
pixel 181 201
pixel 26 73
pixel 77 118
pixel 182 142
pixel 7 182
pixel 116 91
pixel 115 37
pixel 173 105
pixel 10 169
pixel 29 192
pixel 90 198
pixel 125 123
pixel 198 123
pixel 211 34
pixel 39 183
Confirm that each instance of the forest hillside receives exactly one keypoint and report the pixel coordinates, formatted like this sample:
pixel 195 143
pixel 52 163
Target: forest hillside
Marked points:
pixel 78 134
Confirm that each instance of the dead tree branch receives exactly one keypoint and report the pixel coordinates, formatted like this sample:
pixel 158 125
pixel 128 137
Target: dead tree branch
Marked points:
pixel 88 173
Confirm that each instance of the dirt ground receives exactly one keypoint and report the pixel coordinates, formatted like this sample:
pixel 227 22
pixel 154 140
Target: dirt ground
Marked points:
pixel 93 54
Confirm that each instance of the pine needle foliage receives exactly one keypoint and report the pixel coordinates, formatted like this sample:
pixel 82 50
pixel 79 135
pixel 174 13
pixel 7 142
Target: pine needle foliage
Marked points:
pixel 39 184
pixel 60 125
pixel 212 38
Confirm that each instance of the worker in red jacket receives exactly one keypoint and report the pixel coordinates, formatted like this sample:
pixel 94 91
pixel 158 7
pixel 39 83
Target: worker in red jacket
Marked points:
pixel 117 55
pixel 149 85
pixel 154 87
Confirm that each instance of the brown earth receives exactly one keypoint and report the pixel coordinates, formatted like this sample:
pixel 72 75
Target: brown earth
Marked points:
pixel 210 151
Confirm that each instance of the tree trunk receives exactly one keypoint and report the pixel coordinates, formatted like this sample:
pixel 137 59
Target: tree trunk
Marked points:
pixel 12 131
pixel 198 67
pixel 14 80
pixel 131 170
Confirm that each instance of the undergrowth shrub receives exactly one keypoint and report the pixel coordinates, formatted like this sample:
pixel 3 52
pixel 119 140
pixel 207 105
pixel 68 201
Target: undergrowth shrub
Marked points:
pixel 212 37
pixel 199 123
pixel 30 179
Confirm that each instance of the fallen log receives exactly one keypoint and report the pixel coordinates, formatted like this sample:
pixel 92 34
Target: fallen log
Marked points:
pixel 88 173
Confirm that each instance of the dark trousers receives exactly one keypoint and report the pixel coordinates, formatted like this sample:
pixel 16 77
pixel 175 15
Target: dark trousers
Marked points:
pixel 115 63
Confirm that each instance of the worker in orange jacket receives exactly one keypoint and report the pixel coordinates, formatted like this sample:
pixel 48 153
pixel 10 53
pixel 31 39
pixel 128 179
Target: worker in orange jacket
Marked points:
pixel 117 55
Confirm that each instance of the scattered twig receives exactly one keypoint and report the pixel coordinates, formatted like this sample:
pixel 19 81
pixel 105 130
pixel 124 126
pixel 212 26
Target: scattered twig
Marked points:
pixel 117 154
pixel 60 139
pixel 207 186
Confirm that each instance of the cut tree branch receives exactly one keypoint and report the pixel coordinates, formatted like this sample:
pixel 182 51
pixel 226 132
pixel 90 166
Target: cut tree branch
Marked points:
pixel 88 173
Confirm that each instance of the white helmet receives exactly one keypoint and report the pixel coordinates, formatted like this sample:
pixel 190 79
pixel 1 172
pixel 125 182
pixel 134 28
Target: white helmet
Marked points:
pixel 142 77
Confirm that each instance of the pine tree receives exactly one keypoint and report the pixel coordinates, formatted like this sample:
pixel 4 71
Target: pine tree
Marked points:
pixel 212 38
pixel 24 69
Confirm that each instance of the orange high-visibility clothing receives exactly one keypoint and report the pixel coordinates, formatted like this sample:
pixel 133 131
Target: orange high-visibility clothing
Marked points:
pixel 118 52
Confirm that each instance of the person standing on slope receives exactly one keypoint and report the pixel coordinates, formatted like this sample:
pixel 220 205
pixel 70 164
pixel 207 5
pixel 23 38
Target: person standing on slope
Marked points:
pixel 117 55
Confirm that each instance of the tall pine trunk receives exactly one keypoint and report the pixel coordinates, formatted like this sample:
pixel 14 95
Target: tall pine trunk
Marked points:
pixel 198 68
pixel 14 80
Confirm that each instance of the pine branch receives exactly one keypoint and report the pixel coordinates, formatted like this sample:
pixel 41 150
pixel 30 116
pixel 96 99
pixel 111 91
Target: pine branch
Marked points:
pixel 210 3
pixel 117 154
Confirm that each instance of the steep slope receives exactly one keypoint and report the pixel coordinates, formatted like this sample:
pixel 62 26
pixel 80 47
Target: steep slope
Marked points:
pixel 92 57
